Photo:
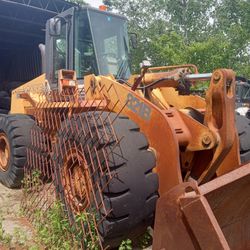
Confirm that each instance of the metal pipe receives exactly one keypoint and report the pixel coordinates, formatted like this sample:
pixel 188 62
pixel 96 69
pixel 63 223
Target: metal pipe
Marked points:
pixel 201 77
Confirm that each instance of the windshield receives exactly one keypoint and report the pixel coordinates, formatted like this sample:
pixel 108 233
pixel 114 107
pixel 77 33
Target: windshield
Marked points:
pixel 111 44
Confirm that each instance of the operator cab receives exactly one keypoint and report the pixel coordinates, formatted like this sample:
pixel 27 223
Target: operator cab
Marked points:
pixel 88 41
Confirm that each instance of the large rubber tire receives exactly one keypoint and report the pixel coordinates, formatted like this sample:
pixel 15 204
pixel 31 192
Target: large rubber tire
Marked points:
pixel 243 127
pixel 133 192
pixel 15 129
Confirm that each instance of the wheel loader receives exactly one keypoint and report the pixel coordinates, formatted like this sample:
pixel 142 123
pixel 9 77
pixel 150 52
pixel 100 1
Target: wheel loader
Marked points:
pixel 124 152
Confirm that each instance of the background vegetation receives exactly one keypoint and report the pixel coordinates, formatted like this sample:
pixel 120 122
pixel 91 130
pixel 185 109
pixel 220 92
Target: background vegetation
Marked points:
pixel 208 33
pixel 80 2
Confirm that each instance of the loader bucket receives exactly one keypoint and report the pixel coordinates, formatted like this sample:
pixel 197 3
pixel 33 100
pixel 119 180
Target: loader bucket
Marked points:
pixel 215 215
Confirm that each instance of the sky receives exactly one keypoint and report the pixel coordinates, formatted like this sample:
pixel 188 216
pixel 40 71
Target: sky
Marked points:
pixel 94 3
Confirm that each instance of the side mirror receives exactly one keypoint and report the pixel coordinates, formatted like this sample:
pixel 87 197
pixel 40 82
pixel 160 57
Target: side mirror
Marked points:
pixel 55 26
pixel 133 39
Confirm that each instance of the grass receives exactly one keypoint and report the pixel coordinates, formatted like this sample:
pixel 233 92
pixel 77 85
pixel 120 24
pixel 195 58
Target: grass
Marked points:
pixel 19 237
pixel 54 230
pixel 32 180
pixel 5 238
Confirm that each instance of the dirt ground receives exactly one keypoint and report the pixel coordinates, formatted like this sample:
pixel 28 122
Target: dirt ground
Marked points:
pixel 16 233
pixel 15 230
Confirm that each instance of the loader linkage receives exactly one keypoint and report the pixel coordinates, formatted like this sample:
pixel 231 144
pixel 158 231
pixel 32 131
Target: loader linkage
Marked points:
pixel 194 141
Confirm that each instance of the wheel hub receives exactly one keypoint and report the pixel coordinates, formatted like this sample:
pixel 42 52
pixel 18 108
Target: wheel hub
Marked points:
pixel 75 180
pixel 4 152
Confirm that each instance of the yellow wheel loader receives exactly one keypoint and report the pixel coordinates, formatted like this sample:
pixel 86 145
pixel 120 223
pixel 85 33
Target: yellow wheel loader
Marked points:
pixel 126 152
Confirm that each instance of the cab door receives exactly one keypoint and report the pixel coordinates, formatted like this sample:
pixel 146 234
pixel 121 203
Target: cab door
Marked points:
pixel 59 45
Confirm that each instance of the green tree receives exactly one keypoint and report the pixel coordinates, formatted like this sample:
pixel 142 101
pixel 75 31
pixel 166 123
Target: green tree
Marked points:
pixel 80 2
pixel 191 18
pixel 146 19
pixel 167 49
pixel 210 54
pixel 208 33
pixel 232 19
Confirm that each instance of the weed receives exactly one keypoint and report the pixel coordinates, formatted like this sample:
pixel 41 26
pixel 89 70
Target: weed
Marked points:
pixel 145 240
pixel 126 245
pixel 53 228
pixel 5 238
pixel 20 237
pixel 34 248
pixel 20 212
pixel 91 239
pixel 31 181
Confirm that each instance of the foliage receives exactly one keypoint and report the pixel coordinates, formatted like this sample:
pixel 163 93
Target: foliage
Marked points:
pixel 80 2
pixel 141 242
pixel 167 49
pixel 17 239
pixel 5 238
pixel 208 33
pixel 53 229
pixel 32 180
pixel 191 18
pixel 20 236
pixel 126 245
pixel 145 240
pixel 90 240
pixel 210 54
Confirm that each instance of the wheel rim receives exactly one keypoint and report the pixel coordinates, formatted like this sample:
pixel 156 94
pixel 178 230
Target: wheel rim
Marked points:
pixel 76 181
pixel 4 152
